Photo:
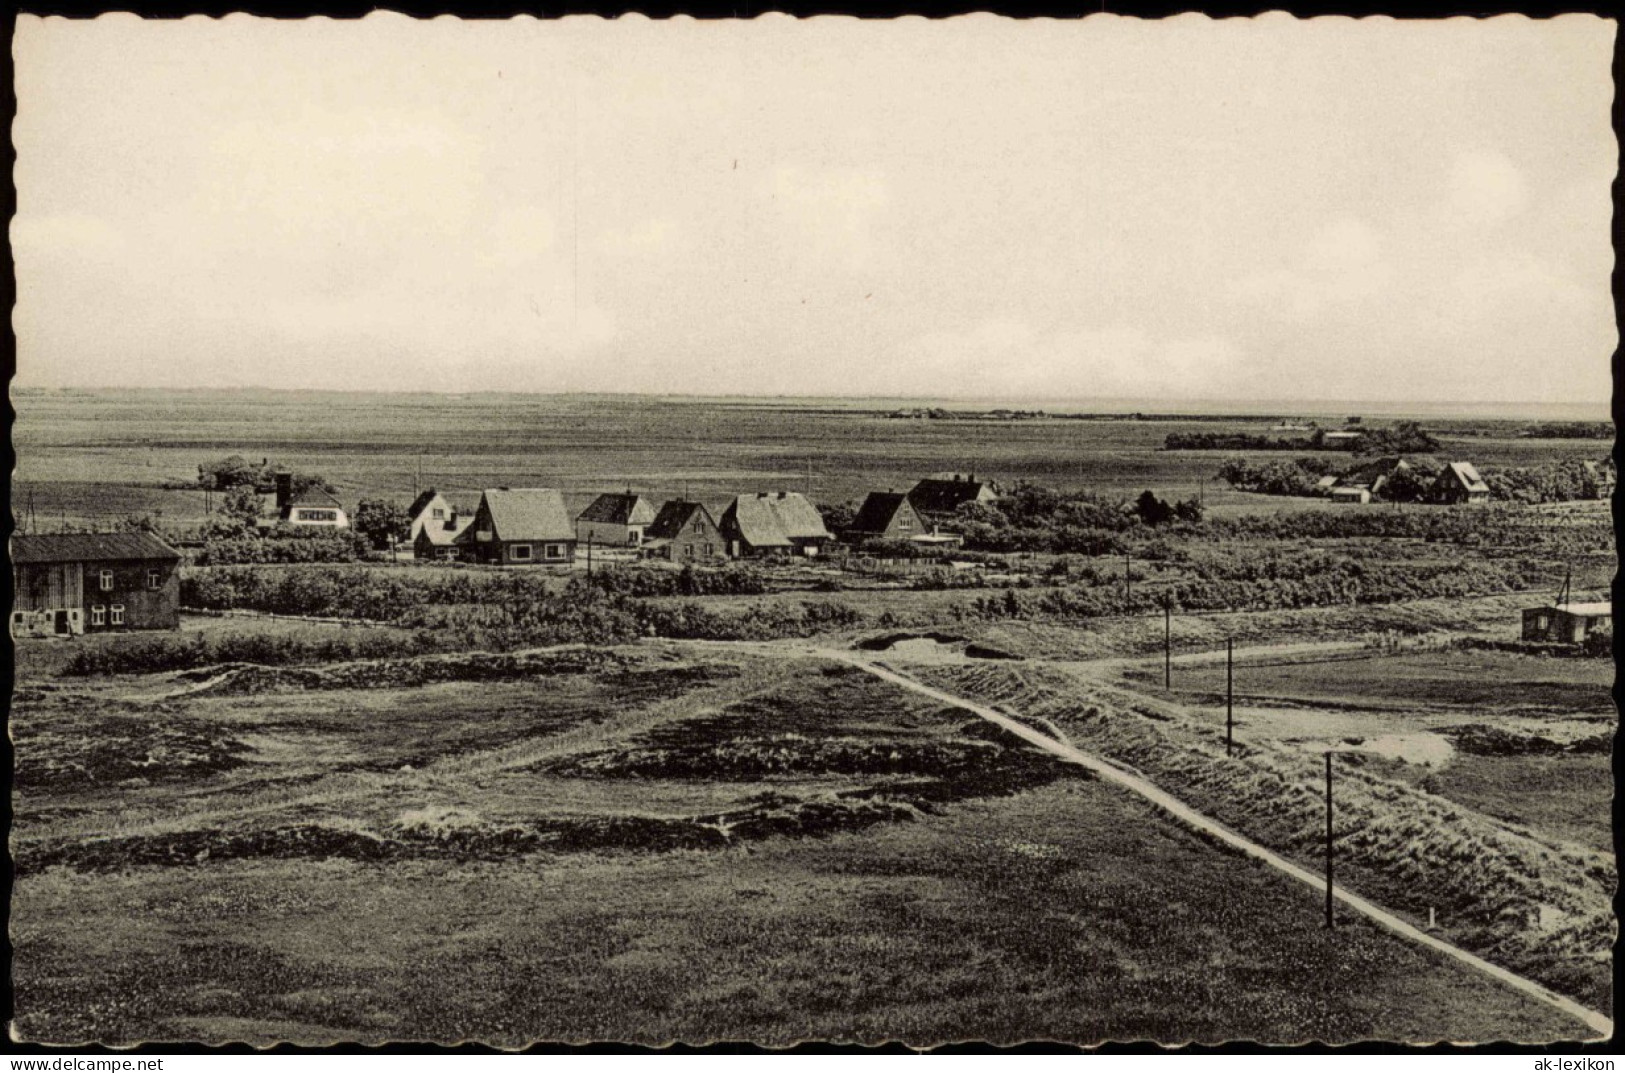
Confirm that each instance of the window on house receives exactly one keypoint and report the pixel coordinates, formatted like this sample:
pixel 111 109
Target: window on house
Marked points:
pixel 439 512
pixel 519 552
pixel 98 616
pixel 155 579
pixel 1541 623
pixel 107 581
pixel 118 614
pixel 554 551
pixel 318 515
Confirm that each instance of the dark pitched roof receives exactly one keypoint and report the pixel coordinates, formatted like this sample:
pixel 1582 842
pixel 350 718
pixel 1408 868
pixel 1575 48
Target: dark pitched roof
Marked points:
pixel 526 514
pixel 421 503
pixel 616 508
pixel 1379 469
pixel 673 518
pixel 315 497
pixel 878 510
pixel 936 495
pixel 88 547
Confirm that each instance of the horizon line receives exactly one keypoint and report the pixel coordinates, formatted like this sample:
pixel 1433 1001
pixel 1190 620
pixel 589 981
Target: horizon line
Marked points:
pixel 1252 402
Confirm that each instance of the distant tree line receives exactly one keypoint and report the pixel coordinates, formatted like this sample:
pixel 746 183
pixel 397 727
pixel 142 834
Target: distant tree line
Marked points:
pixel 1569 430
pixel 1403 437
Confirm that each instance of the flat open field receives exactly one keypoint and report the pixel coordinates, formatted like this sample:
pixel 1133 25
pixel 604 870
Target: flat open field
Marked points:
pixel 89 456
pixel 649 844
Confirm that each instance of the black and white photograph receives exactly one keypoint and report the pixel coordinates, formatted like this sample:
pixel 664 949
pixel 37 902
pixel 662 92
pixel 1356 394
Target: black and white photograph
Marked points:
pixel 812 531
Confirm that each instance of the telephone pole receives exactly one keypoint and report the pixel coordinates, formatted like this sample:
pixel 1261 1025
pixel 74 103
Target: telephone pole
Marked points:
pixel 1167 643
pixel 1329 920
pixel 1229 696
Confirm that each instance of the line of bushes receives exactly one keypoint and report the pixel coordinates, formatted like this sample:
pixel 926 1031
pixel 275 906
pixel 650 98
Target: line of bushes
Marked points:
pixel 293 545
pixel 156 653
pixel 1338 581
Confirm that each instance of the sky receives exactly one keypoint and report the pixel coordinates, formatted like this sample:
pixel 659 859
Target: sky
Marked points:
pixel 976 207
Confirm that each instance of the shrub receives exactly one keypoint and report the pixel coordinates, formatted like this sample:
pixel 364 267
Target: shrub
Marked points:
pixel 1599 642
pixel 173 652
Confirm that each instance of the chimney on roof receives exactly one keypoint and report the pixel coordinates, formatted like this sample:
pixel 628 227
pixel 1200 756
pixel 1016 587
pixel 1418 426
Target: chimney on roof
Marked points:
pixel 284 488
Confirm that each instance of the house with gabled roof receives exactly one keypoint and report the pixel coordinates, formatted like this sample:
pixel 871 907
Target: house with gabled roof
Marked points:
pixel 71 583
pixel 1459 482
pixel 684 532
pixel 773 523
pixel 615 519
pixel 885 516
pixel 519 527
pixel 937 498
pixel 314 507
pixel 430 507
pixel 1373 476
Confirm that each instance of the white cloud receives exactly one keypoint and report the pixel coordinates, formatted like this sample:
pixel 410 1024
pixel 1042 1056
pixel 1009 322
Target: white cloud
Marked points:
pixel 832 211
pixel 1485 189
pixel 1343 264
pixel 655 238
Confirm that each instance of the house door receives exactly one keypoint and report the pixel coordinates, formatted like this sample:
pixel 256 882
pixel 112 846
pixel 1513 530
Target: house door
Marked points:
pixel 59 624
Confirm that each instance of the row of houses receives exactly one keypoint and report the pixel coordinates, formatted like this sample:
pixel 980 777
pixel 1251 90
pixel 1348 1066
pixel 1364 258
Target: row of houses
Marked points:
pixel 532 526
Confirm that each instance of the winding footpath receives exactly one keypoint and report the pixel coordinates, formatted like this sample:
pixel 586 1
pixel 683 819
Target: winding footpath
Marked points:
pixel 1597 1022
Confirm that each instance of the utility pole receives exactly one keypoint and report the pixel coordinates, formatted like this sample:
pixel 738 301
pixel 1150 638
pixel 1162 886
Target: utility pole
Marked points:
pixel 1229 696
pixel 1167 643
pixel 1128 580
pixel 1329 920
pixel 589 553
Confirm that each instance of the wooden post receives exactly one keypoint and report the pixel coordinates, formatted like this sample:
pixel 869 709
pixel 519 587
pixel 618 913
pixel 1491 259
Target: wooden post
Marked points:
pixel 1128 580
pixel 589 553
pixel 1167 643
pixel 1229 696
pixel 1329 920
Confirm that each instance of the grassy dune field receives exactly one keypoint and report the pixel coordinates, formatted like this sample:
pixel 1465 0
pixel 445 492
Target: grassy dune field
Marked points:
pixel 646 844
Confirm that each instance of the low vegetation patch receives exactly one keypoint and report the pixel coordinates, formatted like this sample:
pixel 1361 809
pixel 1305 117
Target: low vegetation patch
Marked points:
pixel 408 673
pixel 52 757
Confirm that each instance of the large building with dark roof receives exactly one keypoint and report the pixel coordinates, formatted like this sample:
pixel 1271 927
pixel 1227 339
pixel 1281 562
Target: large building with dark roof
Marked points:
pixel 937 498
pixel 71 583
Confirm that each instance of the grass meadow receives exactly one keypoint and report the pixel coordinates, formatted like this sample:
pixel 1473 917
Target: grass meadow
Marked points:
pixel 540 859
